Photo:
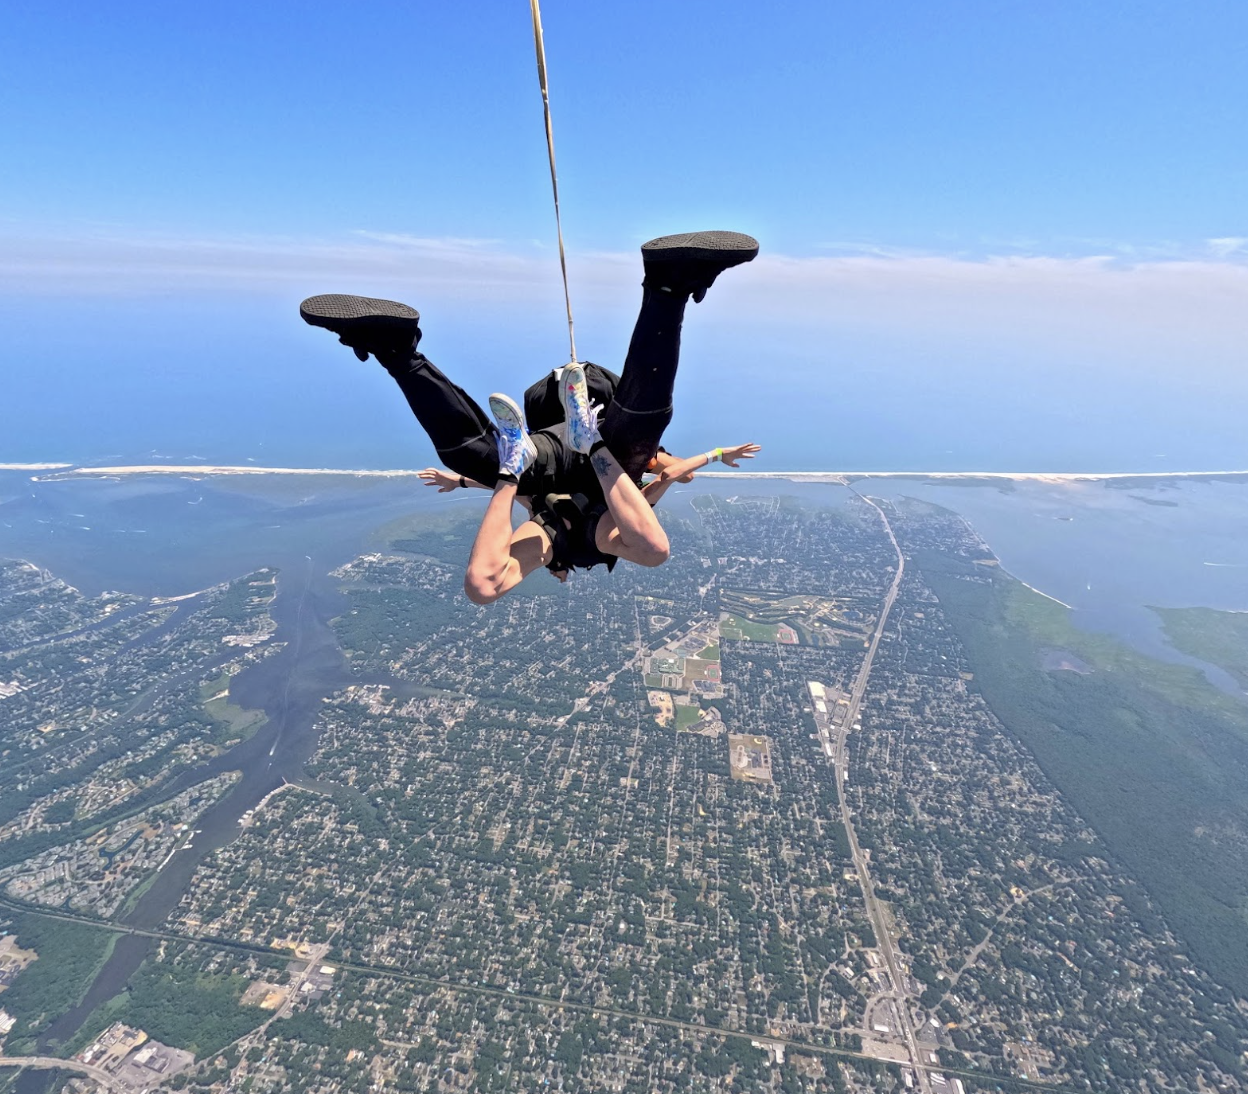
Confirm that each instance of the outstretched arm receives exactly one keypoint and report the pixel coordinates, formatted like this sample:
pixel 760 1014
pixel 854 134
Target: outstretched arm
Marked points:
pixel 446 481
pixel 662 461
pixel 682 470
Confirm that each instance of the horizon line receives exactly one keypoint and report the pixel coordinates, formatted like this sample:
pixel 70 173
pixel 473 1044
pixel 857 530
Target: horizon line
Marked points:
pixel 67 470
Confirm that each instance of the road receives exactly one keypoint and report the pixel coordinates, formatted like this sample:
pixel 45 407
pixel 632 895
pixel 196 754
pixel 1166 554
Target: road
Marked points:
pixel 315 957
pixel 879 924
pixel 44 1062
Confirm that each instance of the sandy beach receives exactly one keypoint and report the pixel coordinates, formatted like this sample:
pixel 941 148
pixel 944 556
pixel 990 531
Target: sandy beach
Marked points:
pixel 1018 476
pixel 1047 596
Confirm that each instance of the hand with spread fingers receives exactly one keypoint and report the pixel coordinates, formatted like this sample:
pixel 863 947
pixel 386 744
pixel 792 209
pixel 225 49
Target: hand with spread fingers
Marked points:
pixel 729 456
pixel 445 481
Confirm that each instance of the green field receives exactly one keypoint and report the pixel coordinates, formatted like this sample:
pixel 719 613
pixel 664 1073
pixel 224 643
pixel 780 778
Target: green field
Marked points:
pixel 687 716
pixel 711 653
pixel 754 616
pixel 745 630
pixel 1151 754
pixel 697 669
pixel 446 535
pixel 233 721
pixel 1221 638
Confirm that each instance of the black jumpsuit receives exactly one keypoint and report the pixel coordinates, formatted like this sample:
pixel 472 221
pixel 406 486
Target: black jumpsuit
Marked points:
pixel 638 413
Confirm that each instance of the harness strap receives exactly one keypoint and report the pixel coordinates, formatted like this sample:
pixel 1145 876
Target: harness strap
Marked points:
pixel 572 548
pixel 550 523
pixel 571 507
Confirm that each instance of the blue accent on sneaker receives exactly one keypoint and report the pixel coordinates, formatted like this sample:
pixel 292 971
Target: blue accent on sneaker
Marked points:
pixel 516 449
pixel 581 414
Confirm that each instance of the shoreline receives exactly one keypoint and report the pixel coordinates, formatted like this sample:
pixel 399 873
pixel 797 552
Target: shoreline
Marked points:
pixel 66 471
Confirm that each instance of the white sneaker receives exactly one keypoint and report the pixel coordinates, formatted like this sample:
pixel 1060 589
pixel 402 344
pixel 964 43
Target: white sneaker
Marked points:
pixel 579 413
pixel 516 449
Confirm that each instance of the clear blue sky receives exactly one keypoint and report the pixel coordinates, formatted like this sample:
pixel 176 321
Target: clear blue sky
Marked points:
pixel 929 182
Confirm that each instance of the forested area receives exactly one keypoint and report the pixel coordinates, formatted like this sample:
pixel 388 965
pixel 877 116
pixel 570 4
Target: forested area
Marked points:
pixel 1150 754
pixel 69 957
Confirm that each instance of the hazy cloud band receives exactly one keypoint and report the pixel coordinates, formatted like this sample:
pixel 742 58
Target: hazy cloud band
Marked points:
pixel 1199 298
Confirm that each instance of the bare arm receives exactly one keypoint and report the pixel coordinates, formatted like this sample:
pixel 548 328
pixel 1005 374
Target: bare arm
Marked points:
pixel 446 481
pixel 662 461
pixel 682 470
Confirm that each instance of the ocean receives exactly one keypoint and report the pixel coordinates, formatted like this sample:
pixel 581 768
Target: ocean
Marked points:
pixel 231 380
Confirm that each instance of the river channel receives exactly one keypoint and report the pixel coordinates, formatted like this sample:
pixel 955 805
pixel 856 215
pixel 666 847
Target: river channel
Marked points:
pixel 304 538
pixel 288 687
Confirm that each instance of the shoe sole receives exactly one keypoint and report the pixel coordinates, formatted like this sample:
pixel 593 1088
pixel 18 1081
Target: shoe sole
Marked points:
pixel 337 312
pixel 723 248
pixel 504 406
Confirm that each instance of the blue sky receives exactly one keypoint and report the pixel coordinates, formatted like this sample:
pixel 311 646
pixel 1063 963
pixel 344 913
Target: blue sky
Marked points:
pixel 990 232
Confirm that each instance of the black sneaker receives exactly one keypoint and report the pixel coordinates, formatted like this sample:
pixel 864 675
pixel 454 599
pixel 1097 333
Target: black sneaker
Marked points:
pixel 381 327
pixel 690 262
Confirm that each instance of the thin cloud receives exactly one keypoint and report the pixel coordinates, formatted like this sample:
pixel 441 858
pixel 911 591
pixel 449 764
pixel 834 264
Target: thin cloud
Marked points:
pixel 447 245
pixel 1197 300
pixel 1228 246
pixel 844 248
pixel 1192 310
pixel 117 264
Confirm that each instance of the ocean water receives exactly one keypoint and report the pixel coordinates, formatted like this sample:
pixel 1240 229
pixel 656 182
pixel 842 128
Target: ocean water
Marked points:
pixel 1111 552
pixel 1100 547
pixel 230 379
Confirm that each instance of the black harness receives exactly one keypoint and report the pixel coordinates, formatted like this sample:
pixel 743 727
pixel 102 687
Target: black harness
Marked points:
pixel 571 522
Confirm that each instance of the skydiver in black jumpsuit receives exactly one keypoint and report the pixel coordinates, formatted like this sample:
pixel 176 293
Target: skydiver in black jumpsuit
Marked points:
pixel 677 268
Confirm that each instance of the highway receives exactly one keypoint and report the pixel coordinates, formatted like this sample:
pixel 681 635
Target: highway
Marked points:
pixel 883 937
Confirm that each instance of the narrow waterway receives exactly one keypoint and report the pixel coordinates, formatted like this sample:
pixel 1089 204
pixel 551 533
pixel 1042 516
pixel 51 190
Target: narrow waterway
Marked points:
pixel 288 687
pixel 167 537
